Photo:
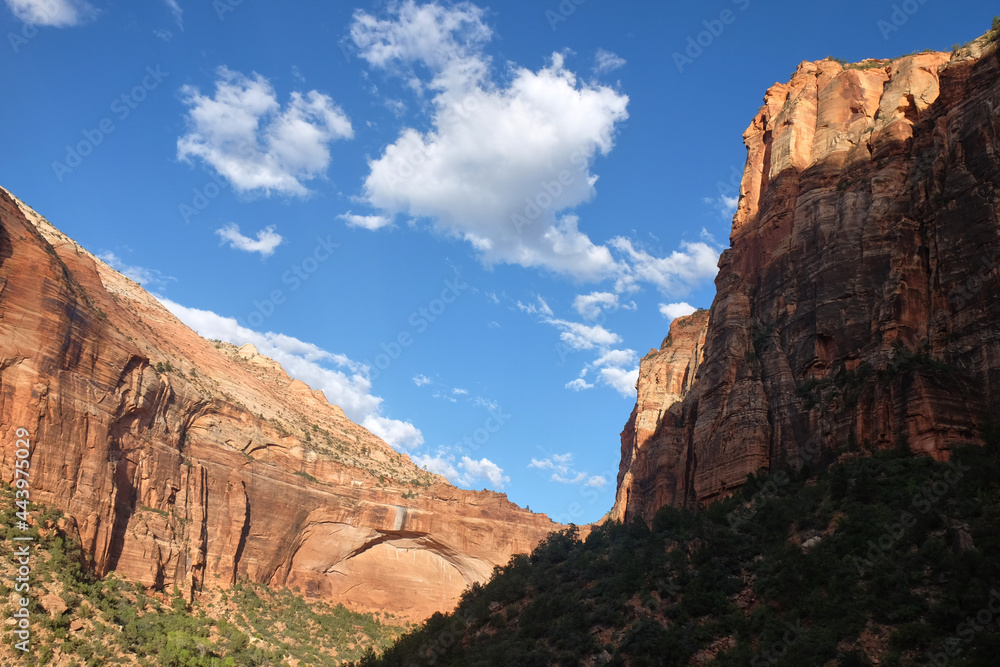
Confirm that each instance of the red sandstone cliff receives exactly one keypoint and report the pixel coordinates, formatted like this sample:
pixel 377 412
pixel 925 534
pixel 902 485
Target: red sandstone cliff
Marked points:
pixel 857 306
pixel 223 467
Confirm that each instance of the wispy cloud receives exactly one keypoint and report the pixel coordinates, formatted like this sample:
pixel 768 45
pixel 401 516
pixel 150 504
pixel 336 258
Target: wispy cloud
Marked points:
pixel 564 472
pixel 345 384
pixel 148 278
pixel 370 222
pixel 606 61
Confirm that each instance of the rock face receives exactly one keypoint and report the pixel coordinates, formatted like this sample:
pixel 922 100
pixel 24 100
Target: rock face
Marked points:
pixel 183 461
pixel 857 305
pixel 653 437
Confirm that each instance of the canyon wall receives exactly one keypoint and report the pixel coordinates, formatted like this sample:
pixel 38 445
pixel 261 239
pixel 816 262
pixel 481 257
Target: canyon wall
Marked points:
pixel 184 461
pixel 857 307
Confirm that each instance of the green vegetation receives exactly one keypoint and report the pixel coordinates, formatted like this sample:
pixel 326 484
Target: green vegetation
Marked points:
pixel 107 621
pixel 164 367
pixel 307 476
pixel 882 557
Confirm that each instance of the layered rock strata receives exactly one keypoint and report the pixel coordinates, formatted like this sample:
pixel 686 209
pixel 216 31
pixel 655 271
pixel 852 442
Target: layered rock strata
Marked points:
pixel 857 306
pixel 184 461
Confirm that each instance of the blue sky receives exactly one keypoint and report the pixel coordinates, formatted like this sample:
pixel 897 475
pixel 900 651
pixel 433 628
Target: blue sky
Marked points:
pixel 464 222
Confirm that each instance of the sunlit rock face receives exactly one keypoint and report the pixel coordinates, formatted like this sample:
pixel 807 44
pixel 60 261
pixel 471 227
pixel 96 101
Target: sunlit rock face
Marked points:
pixel 183 461
pixel 857 305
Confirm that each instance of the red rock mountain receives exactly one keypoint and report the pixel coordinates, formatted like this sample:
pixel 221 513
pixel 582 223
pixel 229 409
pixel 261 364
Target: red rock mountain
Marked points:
pixel 183 461
pixel 858 305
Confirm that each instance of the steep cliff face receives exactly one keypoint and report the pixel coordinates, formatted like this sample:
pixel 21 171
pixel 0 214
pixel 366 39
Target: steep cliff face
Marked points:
pixel 857 305
pixel 654 435
pixel 180 461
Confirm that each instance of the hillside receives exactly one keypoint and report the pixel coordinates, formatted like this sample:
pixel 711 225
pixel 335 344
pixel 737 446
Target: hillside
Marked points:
pixel 185 462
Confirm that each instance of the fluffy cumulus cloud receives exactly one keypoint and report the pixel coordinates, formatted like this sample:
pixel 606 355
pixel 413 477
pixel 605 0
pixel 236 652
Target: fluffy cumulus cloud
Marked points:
pixel 54 13
pixel 583 337
pixel 265 243
pixel 421 380
pixel 500 166
pixel 343 381
pixel 244 133
pixel 464 471
pixel 564 472
pixel 676 273
pixel 503 165
pixel 590 306
pixel 371 222
pixel 672 311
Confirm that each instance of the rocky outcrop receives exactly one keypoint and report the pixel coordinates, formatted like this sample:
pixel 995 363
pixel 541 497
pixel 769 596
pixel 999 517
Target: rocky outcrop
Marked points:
pixel 857 306
pixel 653 437
pixel 183 461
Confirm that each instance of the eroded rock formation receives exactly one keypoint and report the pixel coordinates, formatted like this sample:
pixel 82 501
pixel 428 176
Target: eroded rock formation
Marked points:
pixel 183 461
pixel 857 305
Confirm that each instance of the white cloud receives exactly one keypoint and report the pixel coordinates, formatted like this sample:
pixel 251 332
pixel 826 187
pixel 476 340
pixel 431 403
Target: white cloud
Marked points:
pixel 590 306
pixel 164 34
pixel 465 472
pixel 724 204
pixel 244 134
pixel 579 384
pixel 499 164
pixel 458 391
pixel 446 40
pixel 176 10
pixel 421 380
pixel 672 311
pixel 607 61
pixel 596 481
pixel 371 222
pixel 484 468
pixel 564 472
pixel 346 385
pixel 148 278
pixel 675 274
pixel 54 13
pixel 616 358
pixel 582 337
pixel 540 307
pixel 265 243
pixel 621 380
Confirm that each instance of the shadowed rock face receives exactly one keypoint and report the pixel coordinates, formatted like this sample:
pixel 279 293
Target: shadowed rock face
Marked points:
pixel 858 303
pixel 222 467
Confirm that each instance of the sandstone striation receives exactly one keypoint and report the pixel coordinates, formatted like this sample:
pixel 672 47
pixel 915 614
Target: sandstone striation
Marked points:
pixel 857 306
pixel 185 461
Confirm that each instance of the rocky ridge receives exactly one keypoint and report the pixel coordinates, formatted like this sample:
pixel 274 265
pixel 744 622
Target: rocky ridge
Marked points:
pixel 185 461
